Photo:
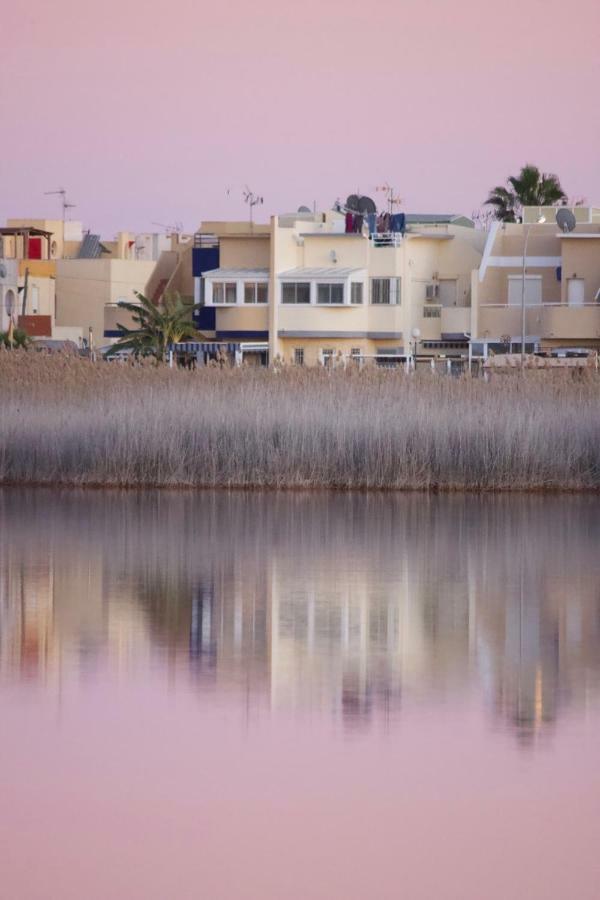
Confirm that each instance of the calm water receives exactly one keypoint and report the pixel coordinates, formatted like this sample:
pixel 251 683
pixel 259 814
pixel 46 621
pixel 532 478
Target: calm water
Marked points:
pixel 288 696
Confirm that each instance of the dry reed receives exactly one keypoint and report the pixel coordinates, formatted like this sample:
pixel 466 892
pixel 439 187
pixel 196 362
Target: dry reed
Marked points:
pixel 68 421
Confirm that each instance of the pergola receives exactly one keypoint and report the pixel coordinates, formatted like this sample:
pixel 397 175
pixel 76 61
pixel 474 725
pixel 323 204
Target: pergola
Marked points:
pixel 26 232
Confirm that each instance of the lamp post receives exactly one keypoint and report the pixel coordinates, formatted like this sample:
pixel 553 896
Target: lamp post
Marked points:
pixel 527 229
pixel 416 334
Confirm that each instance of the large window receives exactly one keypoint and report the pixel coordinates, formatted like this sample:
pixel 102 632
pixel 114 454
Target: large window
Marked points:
pixel 224 292
pixel 330 293
pixel 256 292
pixel 327 355
pixel 385 291
pixel 295 292
pixel 356 293
pixel 299 356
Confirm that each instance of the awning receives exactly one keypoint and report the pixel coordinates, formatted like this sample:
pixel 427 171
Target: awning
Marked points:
pixel 311 274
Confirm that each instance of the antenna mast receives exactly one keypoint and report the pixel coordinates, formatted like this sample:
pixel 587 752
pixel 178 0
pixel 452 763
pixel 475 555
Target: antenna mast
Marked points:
pixel 392 199
pixel 64 202
pixel 252 200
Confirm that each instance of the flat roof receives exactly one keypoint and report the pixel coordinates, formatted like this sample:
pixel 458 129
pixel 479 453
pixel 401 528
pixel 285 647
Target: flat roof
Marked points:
pixel 237 273
pixel 25 229
pixel 329 272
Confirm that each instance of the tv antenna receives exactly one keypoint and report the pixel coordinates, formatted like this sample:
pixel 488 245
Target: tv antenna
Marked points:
pixel 174 228
pixel 392 199
pixel 252 200
pixel 64 202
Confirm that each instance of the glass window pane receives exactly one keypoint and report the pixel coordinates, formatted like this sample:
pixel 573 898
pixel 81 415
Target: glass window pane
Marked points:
pixel 230 292
pixel 303 292
pixel 323 293
pixel 249 292
pixel 218 293
pixel 262 292
pixel 337 293
pixel 357 292
pixel 288 293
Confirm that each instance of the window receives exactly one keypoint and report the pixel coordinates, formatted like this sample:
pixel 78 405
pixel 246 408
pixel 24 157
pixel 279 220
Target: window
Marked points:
pixel 432 312
pixel 356 293
pixel 295 292
pixel 256 292
pixel 356 353
pixel 327 357
pixel 330 293
pixel 385 291
pixel 432 291
pixel 299 356
pixel 224 292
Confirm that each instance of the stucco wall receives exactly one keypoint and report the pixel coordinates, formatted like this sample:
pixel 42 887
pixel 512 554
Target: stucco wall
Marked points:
pixel 83 286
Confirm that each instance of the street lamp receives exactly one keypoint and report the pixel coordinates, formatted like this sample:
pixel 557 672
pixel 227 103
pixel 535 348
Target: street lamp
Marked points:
pixel 539 221
pixel 416 334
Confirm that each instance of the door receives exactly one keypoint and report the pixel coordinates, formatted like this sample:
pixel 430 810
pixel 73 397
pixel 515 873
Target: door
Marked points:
pixel 35 248
pixel 575 291
pixel 448 292
pixel 533 290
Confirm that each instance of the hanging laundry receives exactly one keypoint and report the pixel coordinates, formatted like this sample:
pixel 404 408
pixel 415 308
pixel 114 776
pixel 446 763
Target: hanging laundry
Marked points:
pixel 349 222
pixel 398 222
pixel 358 224
pixel 372 220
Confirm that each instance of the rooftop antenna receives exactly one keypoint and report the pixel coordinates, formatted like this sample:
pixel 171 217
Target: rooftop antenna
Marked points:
pixel 392 199
pixel 174 228
pixel 64 202
pixel 252 200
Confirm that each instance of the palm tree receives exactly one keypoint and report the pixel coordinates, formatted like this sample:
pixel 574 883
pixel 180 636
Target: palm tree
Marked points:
pixel 529 188
pixel 158 326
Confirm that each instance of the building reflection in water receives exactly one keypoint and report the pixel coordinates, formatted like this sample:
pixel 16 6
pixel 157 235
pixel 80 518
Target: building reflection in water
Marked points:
pixel 349 605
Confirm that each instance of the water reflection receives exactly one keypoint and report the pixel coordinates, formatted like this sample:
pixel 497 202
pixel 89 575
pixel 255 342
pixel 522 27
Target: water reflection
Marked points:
pixel 348 605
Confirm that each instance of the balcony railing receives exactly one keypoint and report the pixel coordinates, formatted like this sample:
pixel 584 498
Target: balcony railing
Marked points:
pixel 386 239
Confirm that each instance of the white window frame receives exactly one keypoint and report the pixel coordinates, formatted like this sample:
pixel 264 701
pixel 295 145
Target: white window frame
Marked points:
pixel 296 281
pixel 254 282
pixel 209 284
pixel 298 356
pixel 361 285
pixel 314 283
pixel 395 290
pixel 327 283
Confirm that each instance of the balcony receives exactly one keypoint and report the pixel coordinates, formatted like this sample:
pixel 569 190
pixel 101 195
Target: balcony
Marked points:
pixel 549 321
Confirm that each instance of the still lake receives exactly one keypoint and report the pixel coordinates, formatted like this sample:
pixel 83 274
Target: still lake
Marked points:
pixel 337 696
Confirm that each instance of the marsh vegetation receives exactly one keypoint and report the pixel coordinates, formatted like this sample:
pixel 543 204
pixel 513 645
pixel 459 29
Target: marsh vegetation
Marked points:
pixel 66 420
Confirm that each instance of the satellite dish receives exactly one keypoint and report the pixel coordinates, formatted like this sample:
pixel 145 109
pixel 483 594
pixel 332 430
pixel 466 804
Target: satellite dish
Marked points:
pixel 565 220
pixel 359 204
pixel 366 206
pixel 303 209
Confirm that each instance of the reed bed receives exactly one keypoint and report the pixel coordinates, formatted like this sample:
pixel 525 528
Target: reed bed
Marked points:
pixel 64 420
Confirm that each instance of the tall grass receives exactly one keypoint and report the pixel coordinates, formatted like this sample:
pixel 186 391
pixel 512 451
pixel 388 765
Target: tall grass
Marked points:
pixel 68 421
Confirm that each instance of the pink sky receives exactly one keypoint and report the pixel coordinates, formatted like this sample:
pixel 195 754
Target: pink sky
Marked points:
pixel 152 111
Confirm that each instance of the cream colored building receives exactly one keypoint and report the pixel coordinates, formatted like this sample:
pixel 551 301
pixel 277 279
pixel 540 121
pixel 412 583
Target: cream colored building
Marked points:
pixel 562 283
pixel 86 289
pixel 324 294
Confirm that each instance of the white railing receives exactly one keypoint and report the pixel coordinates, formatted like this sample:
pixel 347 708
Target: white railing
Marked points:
pixel 551 305
pixel 386 239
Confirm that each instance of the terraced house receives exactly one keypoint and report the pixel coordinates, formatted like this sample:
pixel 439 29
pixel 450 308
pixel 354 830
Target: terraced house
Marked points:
pixel 331 289
pixel 559 280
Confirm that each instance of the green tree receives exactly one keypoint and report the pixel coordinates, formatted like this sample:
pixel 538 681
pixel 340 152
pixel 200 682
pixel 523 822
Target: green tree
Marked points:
pixel 529 188
pixel 157 326
pixel 15 339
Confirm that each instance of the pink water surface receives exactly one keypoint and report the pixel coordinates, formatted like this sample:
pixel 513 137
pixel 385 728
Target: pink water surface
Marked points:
pixel 274 750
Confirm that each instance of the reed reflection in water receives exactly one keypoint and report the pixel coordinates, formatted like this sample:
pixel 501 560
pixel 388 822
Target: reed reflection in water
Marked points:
pixel 312 621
